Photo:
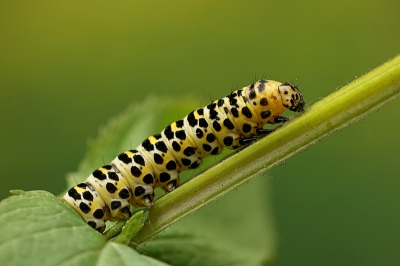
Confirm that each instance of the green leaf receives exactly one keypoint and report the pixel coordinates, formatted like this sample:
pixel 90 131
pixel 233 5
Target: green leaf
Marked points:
pixel 37 228
pixel 118 254
pixel 131 227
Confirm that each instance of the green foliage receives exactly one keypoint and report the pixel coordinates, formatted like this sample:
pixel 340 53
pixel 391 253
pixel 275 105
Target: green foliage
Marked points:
pixel 40 229
pixel 131 227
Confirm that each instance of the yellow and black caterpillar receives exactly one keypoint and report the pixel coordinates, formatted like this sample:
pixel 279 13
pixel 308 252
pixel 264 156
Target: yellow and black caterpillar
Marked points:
pixel 132 176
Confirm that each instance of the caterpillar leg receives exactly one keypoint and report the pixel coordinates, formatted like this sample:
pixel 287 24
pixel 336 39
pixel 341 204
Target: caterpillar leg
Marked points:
pixel 281 119
pixel 264 131
pixel 245 141
pixel 259 131
pixel 143 196
pixel 168 181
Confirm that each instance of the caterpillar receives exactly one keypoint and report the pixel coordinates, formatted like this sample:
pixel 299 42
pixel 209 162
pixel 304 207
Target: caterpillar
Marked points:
pixel 230 122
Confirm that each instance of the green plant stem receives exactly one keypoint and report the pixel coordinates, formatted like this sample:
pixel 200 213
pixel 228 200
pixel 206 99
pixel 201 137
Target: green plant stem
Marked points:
pixel 342 108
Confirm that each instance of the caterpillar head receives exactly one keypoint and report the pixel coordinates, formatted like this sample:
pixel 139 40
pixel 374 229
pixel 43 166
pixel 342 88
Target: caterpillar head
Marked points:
pixel 291 97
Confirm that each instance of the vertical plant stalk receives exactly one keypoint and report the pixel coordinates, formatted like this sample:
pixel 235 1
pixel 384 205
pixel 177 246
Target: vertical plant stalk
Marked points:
pixel 342 108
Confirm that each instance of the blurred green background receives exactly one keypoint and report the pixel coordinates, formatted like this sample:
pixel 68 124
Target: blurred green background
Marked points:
pixel 68 67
